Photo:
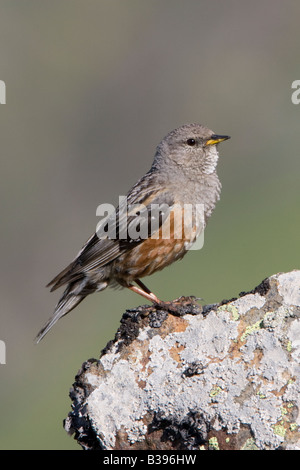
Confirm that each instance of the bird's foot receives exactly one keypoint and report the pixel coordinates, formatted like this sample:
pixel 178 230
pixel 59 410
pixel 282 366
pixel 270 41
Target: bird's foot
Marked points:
pixel 180 306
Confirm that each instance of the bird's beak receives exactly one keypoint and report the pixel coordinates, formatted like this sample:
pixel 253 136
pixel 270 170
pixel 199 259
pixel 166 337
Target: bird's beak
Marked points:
pixel 216 139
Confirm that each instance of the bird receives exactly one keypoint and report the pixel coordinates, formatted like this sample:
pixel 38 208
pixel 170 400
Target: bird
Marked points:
pixel 183 174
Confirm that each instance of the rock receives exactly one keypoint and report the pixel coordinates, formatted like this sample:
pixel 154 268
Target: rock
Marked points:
pixel 226 376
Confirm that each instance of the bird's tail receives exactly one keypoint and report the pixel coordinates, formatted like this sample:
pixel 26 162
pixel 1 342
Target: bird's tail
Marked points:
pixel 68 301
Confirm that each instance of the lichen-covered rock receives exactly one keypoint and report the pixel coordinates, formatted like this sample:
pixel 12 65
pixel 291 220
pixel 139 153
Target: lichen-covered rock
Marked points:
pixel 226 378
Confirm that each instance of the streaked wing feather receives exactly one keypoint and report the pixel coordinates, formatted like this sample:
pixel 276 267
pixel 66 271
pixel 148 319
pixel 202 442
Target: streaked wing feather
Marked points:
pixel 96 253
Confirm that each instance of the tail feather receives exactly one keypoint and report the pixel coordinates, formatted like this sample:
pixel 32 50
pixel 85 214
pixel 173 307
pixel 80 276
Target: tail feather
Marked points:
pixel 68 301
pixel 65 276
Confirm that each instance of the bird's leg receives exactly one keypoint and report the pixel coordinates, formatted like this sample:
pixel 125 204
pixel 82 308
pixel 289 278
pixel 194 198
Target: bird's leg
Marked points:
pixel 144 291
pixel 177 307
pixel 142 286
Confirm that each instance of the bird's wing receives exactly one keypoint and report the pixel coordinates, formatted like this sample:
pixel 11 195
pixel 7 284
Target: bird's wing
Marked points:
pixel 140 223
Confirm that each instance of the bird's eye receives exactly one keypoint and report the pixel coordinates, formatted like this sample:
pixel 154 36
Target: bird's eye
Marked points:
pixel 191 142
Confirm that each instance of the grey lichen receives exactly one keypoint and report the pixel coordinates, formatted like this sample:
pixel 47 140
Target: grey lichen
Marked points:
pixel 226 379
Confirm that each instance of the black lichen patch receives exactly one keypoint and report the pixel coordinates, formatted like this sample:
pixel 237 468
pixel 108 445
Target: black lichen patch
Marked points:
pixel 77 422
pixel 153 315
pixel 195 368
pixel 208 308
pixel 83 431
pixel 262 289
pixel 226 301
pixel 131 323
pixel 186 434
pixel 157 317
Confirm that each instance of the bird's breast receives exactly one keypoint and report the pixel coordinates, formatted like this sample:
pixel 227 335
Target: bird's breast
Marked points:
pixel 170 243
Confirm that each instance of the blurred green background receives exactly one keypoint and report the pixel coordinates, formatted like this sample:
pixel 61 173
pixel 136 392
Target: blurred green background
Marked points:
pixel 92 87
